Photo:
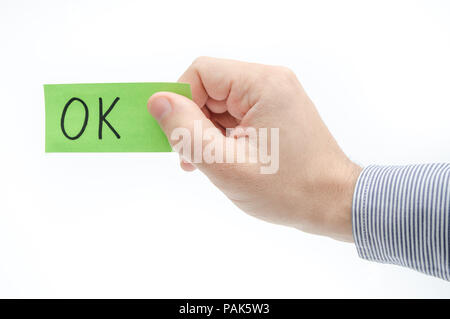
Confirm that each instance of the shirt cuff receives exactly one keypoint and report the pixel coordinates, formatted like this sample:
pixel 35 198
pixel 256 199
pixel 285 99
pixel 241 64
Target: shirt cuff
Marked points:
pixel 400 215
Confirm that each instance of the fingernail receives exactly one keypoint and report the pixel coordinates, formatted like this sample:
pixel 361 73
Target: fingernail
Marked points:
pixel 160 107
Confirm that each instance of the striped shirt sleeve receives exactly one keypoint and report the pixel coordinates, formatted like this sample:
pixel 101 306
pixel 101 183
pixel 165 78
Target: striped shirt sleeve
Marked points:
pixel 401 214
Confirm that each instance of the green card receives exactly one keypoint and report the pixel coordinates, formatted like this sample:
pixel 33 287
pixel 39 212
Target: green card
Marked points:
pixel 104 117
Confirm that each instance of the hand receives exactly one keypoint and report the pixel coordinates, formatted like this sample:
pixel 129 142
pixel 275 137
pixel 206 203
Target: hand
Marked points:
pixel 313 187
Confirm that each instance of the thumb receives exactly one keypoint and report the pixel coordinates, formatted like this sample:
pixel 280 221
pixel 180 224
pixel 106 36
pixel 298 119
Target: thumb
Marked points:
pixel 184 124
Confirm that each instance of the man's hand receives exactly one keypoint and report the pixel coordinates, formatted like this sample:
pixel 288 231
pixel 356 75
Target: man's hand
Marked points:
pixel 313 187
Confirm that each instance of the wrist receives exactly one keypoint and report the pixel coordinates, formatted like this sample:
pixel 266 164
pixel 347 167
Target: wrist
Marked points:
pixel 325 199
pixel 339 212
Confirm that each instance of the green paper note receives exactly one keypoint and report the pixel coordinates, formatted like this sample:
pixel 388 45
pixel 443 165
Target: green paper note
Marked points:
pixel 104 117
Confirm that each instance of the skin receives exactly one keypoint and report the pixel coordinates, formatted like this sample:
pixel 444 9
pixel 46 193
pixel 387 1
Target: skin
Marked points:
pixel 313 188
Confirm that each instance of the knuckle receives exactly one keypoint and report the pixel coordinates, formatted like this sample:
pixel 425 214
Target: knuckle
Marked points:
pixel 277 75
pixel 200 60
pixel 286 72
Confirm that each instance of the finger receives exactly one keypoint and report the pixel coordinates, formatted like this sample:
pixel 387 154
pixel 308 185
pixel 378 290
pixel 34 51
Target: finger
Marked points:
pixel 180 118
pixel 186 166
pixel 224 80
pixel 225 120
pixel 216 106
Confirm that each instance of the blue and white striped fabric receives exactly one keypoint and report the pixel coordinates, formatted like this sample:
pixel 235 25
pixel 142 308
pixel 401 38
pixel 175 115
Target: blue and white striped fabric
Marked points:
pixel 401 216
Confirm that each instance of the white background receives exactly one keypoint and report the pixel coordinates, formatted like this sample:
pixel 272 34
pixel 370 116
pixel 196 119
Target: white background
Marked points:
pixel 136 225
